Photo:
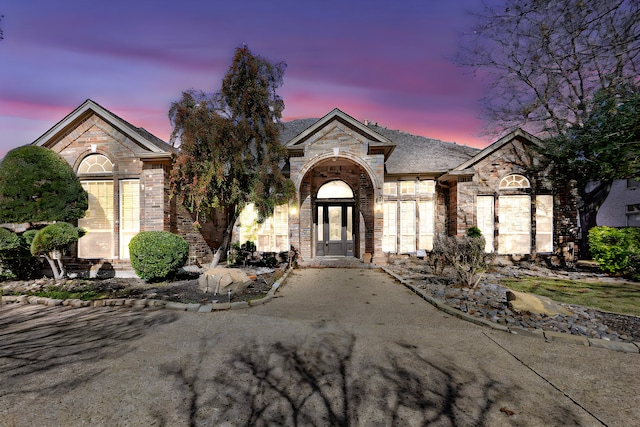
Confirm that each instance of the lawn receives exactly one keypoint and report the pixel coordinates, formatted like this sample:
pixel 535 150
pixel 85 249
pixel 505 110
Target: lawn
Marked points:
pixel 620 297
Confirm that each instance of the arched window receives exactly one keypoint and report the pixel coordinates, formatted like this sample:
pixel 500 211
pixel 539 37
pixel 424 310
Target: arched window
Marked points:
pixel 95 164
pixel 514 182
pixel 335 190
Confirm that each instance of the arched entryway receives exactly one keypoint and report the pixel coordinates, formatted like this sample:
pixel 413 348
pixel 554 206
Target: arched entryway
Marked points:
pixel 337 215
pixel 334 220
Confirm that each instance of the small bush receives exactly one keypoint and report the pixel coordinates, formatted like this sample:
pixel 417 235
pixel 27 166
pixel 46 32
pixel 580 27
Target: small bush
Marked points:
pixel 474 232
pixel 616 250
pixel 466 255
pixel 157 255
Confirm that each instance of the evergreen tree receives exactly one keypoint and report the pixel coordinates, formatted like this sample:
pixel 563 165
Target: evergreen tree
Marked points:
pixel 37 185
pixel 229 151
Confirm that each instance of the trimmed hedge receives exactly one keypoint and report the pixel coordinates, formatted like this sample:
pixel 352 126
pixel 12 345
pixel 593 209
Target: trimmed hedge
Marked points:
pixel 616 250
pixel 157 255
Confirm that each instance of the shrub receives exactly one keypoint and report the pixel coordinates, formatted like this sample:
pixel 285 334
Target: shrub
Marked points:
pixel 466 255
pixel 616 250
pixel 16 261
pixel 52 239
pixel 474 232
pixel 157 255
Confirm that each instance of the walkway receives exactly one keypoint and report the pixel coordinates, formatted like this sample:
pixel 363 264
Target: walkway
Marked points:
pixel 337 347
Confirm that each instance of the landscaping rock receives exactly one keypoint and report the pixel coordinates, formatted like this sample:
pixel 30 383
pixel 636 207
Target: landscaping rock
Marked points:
pixel 221 279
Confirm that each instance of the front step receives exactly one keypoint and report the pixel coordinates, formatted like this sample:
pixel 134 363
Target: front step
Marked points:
pixel 334 262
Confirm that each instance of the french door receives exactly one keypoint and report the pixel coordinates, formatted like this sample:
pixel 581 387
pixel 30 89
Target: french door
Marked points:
pixel 334 230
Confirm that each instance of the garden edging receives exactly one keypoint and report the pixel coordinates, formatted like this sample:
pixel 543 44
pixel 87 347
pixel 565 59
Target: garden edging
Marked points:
pixel 539 333
pixel 146 302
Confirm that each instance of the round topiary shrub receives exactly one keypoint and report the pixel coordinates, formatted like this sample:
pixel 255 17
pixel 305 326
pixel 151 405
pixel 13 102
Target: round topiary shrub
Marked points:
pixel 157 255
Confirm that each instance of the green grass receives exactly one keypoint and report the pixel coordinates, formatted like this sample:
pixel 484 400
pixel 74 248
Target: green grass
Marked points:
pixel 623 298
pixel 83 295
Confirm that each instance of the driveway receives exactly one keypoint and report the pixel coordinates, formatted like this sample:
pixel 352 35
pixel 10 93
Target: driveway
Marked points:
pixel 336 347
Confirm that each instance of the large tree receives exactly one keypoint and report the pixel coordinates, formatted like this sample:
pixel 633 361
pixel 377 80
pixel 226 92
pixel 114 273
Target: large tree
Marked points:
pixel 37 185
pixel 229 152
pixel 545 59
pixel 604 148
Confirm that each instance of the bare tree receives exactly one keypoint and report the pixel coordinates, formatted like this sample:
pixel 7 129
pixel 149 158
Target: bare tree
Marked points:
pixel 545 59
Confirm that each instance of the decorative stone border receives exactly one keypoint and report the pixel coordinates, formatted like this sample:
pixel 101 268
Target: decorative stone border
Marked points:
pixel 539 333
pixel 144 302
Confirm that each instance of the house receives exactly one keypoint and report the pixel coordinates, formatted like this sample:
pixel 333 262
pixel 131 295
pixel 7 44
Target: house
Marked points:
pixel 363 192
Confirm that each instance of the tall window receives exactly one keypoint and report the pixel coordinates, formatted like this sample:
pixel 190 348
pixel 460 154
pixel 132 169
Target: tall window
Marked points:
pixel 407 227
pixel 390 229
pixel 515 224
pixel 544 223
pixel 129 214
pixel 485 220
pixel 427 224
pixel 98 221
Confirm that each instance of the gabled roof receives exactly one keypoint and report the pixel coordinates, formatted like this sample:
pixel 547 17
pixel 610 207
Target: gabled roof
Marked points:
pixel 375 139
pixel 506 139
pixel 88 107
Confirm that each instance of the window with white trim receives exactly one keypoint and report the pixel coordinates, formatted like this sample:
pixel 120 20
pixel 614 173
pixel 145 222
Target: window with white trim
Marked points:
pixel 514 182
pixel 544 223
pixel 427 224
pixel 407 227
pixel 390 227
pixel 633 215
pixel 390 188
pixel 407 187
pixel 129 213
pixel 98 221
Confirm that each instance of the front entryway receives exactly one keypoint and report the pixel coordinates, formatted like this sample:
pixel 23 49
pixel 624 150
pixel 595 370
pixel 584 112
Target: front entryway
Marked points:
pixel 335 235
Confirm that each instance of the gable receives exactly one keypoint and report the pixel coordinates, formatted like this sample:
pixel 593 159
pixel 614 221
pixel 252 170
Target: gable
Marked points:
pixel 338 129
pixel 94 119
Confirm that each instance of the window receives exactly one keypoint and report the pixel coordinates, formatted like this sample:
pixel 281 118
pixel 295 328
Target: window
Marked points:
pixel 514 182
pixel 272 235
pixel 485 220
pixel 515 224
pixel 98 221
pixel 407 187
pixel 335 190
pixel 633 215
pixel 407 227
pixel 427 224
pixel 95 164
pixel 390 189
pixel 389 231
pixel 427 187
pixel 544 223
pixel 129 214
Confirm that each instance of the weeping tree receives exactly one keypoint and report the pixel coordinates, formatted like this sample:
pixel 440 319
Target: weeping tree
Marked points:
pixel 228 151
pixel 550 65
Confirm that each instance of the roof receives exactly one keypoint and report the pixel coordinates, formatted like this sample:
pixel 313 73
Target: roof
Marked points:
pixel 412 154
pixel 137 134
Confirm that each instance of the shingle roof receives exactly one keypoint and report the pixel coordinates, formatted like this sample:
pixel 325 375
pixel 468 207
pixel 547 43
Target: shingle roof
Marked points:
pixel 413 153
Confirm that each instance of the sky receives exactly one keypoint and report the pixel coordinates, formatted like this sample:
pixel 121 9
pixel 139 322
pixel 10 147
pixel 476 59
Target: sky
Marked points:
pixel 379 60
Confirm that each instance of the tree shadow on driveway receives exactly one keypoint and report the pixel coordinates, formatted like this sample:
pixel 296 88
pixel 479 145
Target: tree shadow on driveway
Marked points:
pixel 320 381
pixel 36 340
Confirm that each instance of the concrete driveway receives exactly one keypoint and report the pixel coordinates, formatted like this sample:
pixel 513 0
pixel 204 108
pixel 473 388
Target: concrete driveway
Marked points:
pixel 337 347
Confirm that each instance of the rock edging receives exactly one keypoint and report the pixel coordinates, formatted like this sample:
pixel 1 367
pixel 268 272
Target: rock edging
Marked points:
pixel 146 302
pixel 539 333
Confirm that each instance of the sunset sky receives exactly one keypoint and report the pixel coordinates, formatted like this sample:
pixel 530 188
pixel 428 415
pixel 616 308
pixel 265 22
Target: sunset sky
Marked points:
pixel 376 59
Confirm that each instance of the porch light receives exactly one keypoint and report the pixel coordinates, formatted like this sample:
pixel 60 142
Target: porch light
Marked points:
pixel 293 210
